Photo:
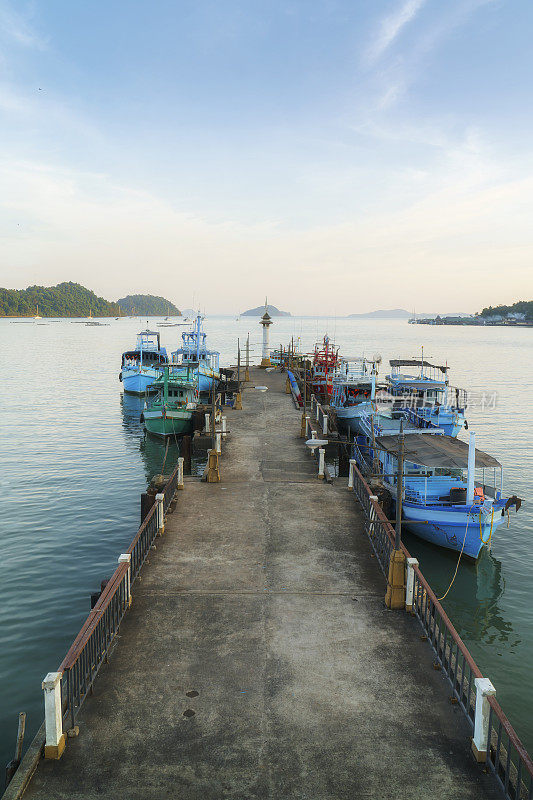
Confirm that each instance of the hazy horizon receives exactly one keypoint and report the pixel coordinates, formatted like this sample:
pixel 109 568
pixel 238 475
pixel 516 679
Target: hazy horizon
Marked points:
pixel 345 156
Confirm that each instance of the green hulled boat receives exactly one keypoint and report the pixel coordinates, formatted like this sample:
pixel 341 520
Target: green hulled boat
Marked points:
pixel 170 413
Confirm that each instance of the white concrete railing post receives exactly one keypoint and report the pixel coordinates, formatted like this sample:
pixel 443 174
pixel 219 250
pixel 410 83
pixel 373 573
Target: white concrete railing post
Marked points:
pixel 325 424
pixel 313 434
pixel 218 446
pixel 308 427
pixel 317 411
pixel 351 474
pixel 159 499
pixel 207 422
pixel 480 743
pixel 125 558
pixel 180 483
pixel 53 718
pixel 224 428
pixel 373 515
pixel 321 461
pixel 410 588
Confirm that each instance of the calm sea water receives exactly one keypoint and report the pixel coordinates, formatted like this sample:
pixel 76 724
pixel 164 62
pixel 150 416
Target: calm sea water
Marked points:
pixel 74 461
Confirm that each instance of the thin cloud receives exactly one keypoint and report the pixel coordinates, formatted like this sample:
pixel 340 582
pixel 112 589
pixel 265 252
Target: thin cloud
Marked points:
pixel 15 27
pixel 391 27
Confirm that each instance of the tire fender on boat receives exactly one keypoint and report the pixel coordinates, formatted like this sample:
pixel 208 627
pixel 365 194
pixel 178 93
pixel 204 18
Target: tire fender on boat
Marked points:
pixel 120 376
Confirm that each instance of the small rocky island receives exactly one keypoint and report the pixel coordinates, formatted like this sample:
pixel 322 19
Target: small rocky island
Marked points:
pixel 260 310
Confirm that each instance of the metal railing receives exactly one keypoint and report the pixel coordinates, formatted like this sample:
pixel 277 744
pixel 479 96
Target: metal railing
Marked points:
pixel 90 649
pixel 506 755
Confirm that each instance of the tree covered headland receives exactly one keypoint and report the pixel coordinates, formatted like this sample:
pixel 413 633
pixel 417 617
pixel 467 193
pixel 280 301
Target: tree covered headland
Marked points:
pixel 64 300
pixel 72 300
pixel 521 307
pixel 140 304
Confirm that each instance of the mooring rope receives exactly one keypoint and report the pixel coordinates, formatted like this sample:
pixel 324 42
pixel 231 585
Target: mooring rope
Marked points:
pixel 458 560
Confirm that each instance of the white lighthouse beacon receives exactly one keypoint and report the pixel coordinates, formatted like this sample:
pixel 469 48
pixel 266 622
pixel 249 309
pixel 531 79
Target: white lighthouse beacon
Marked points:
pixel 266 322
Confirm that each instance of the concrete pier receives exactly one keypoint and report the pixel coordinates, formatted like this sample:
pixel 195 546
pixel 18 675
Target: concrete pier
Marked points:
pixel 258 659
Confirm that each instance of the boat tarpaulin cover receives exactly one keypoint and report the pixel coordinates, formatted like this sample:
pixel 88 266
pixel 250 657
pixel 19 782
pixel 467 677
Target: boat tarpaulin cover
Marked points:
pixel 435 450
pixel 414 362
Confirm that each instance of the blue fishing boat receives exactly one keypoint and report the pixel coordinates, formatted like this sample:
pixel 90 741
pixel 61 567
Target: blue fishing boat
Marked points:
pixel 194 352
pixel 426 391
pixel 354 388
pixel 442 503
pixel 142 366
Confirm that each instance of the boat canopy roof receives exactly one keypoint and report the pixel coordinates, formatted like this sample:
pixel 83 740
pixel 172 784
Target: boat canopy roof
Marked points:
pixel 415 383
pixel 414 362
pixel 435 451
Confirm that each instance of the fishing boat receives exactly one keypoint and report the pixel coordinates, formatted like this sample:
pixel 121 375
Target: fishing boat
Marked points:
pixel 426 391
pixel 442 502
pixel 142 366
pixel 194 353
pixel 170 412
pixel 354 388
pixel 323 368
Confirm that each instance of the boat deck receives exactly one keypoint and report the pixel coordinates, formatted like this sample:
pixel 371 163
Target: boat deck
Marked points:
pixel 258 659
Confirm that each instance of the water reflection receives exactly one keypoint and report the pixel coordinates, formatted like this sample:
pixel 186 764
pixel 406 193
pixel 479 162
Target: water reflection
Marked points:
pixel 475 602
pixel 157 458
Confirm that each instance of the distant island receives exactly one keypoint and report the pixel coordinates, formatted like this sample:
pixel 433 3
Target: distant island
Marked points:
pixel 64 300
pixel 392 313
pixel 70 299
pixel 398 313
pixel 260 310
pixel 520 313
pixel 147 304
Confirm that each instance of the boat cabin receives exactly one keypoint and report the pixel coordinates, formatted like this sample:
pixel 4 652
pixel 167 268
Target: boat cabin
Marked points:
pixel 147 353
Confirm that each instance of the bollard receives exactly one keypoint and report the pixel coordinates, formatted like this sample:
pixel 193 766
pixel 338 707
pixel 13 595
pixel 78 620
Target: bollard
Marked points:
pixel 480 743
pixel 180 483
pixel 410 589
pixel 246 374
pixel 207 423
pixel 287 385
pixel 352 473
pixel 218 446
pixel 321 461
pixel 213 472
pixel 224 428
pixel 55 738
pixel 237 406
pixel 325 424
pixel 159 499
pixel 125 558
pixel 317 412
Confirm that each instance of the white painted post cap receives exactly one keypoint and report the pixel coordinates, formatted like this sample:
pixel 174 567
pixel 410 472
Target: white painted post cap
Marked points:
pixel 124 558
pixel 485 686
pixel 51 680
pixel 413 562
pixel 160 497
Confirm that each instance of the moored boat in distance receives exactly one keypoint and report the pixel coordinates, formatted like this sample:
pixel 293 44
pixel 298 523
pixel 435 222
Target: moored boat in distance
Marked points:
pixel 428 394
pixel 170 412
pixel 142 366
pixel 323 368
pixel 194 353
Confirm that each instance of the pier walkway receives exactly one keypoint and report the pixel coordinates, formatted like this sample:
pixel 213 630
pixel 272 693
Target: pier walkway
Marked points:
pixel 258 659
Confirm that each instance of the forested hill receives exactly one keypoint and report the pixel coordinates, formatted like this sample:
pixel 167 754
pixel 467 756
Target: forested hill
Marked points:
pixel 521 307
pixel 64 300
pixel 139 304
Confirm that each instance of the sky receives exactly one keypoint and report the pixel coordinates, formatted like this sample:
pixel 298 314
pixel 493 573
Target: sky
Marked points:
pixel 338 156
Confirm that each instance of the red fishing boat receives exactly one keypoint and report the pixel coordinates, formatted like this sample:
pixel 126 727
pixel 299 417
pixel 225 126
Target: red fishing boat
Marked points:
pixel 324 368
